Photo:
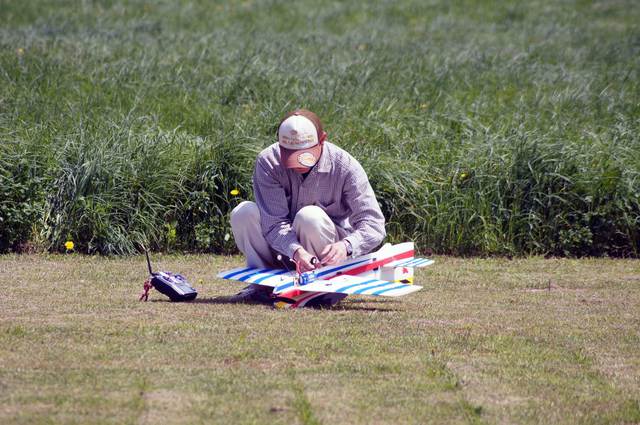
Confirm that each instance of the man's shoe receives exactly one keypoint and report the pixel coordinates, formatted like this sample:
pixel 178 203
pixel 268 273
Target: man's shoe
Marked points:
pixel 253 294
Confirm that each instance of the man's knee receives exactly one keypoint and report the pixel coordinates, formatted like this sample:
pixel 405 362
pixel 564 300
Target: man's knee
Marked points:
pixel 310 216
pixel 246 212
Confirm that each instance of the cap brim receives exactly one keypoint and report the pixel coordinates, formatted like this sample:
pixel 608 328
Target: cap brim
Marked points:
pixel 291 158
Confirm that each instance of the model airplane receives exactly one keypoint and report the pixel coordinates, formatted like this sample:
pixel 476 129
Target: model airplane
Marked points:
pixel 386 272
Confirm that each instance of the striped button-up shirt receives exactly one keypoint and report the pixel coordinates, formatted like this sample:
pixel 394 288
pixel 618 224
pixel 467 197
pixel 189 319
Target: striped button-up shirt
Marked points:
pixel 337 184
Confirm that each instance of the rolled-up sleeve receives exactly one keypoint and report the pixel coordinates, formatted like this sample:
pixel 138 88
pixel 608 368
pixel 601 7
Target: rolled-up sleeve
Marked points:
pixel 274 211
pixel 366 217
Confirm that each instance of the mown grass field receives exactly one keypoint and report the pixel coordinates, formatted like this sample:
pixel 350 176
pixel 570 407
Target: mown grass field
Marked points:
pixel 487 341
pixel 486 127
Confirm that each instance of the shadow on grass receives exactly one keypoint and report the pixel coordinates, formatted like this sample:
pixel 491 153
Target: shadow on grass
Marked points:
pixel 218 300
pixel 213 300
pixel 351 305
pixel 348 307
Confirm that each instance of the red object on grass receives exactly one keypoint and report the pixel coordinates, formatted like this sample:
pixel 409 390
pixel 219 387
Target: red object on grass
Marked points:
pixel 145 293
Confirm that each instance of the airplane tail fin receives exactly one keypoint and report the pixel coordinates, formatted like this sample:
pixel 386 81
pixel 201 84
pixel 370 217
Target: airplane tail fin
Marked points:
pixel 402 270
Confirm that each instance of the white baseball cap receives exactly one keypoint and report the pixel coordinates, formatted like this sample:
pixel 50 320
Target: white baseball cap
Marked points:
pixel 298 139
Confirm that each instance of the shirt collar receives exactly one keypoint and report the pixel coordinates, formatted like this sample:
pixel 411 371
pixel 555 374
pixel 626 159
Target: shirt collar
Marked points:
pixel 324 163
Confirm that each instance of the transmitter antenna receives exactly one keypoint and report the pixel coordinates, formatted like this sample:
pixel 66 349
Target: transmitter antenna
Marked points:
pixel 146 253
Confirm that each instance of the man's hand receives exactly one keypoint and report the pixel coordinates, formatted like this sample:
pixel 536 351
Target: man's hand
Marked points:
pixel 304 260
pixel 333 253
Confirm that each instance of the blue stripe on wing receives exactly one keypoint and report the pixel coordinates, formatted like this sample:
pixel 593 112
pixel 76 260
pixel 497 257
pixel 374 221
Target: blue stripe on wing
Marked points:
pixel 237 272
pixel 353 285
pixel 361 290
pixel 414 262
pixel 247 276
pixel 382 291
pixel 282 287
pixel 269 275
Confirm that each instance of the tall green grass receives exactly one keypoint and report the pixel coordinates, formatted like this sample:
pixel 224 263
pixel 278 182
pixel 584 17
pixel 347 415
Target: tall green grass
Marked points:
pixel 486 128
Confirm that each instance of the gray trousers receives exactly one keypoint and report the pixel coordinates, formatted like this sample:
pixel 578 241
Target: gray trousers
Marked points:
pixel 313 226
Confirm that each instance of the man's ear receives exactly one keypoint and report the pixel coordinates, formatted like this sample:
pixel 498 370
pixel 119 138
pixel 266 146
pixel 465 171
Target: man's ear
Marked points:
pixel 323 137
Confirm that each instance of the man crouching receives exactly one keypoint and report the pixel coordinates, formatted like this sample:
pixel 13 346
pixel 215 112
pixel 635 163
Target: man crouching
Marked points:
pixel 313 200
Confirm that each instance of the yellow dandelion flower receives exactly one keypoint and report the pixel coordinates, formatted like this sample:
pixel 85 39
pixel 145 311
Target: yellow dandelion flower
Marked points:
pixel 235 192
pixel 20 51
pixel 463 176
pixel 69 245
